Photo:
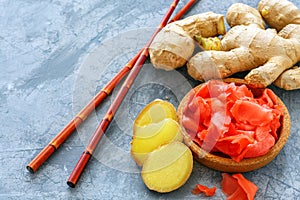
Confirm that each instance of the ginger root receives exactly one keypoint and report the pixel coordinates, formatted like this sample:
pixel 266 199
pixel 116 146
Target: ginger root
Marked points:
pixel 282 15
pixel 290 79
pixel 279 13
pixel 174 44
pixel 168 167
pixel 248 46
pixel 241 14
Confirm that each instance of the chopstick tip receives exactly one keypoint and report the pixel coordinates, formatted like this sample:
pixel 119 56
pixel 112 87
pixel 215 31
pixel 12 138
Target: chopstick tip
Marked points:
pixel 30 169
pixel 71 184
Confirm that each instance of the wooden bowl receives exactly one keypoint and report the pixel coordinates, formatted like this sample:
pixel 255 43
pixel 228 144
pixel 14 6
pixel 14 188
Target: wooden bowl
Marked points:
pixel 225 164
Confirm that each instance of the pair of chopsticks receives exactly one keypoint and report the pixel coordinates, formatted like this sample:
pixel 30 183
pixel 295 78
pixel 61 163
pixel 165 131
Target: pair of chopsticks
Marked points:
pixel 134 66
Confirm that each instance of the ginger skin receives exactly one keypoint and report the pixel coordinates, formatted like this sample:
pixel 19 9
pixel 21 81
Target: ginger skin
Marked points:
pixel 287 54
pixel 174 44
pixel 290 79
pixel 276 14
pixel 248 46
pixel 279 13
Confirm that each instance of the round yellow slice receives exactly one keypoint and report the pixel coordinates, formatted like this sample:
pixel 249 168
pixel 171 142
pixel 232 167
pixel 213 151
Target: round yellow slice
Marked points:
pixel 168 167
pixel 147 138
pixel 154 112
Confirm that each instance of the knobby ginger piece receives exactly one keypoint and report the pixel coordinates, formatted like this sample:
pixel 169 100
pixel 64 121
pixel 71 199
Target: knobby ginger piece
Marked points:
pixel 289 80
pixel 174 44
pixel 248 46
pixel 279 13
pixel 241 14
pixel 168 167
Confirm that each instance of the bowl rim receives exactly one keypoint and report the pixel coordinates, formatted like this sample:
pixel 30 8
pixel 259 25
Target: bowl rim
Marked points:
pixel 227 164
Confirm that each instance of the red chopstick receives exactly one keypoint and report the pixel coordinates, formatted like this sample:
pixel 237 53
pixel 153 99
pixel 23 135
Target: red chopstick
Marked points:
pixel 86 155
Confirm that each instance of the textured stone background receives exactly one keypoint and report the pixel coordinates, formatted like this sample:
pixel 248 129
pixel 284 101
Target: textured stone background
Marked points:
pixel 43 46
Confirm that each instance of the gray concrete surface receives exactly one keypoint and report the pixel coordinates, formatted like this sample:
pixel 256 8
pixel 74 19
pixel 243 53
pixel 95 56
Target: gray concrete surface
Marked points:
pixel 44 49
